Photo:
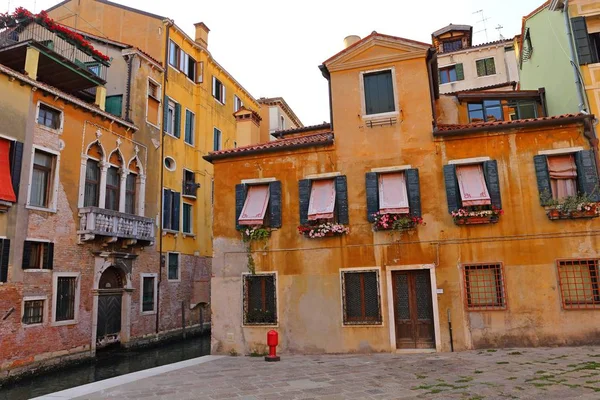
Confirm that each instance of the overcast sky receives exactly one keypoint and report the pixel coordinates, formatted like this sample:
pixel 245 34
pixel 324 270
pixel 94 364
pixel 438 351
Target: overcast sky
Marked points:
pixel 273 48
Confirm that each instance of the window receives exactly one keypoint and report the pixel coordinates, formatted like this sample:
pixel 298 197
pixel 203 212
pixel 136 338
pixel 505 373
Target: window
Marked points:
pixel 379 92
pixel 218 90
pixel 586 43
pixel 260 304
pixel 4 255
pixel 393 196
pixel 173 54
pixel 66 287
pixel 170 164
pixel 41 179
pixel 114 105
pixel 486 66
pixel 113 189
pixel 49 117
pixel 488 110
pixel 33 312
pixel 190 187
pixel 187 218
pixel 153 103
pixel 452 73
pixel 563 176
pixel 92 183
pixel 237 103
pixel 472 186
pixel 94 68
pixel 171 202
pixel 255 206
pixel 191 69
pixel 322 200
pixel 170 118
pixel 217 139
pixel 200 72
pixel 578 281
pixel 190 124
pixel 360 298
pixel 184 59
pixel 173 266
pixel 522 110
pixel 453 45
pixel 148 293
pixel 484 286
pixel 11 158
pixel 38 255
pixel 130 188
pixel 281 123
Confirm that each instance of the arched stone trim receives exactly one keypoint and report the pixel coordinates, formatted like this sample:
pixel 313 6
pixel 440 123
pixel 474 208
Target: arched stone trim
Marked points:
pixel 88 148
pixel 138 162
pixel 82 173
pixel 120 155
pixel 102 264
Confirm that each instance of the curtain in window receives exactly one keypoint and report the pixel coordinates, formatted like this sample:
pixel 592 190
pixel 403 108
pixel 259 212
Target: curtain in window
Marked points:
pixel 112 189
pixel 255 206
pixel 393 197
pixel 322 200
pixel 563 176
pixel 130 193
pixel 42 165
pixel 471 182
pixel 92 184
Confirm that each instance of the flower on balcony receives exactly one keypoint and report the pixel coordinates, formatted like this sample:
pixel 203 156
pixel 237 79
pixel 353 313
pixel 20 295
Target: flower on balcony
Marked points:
pixel 324 229
pixel 477 213
pixel 21 15
pixel 255 233
pixel 576 206
pixel 395 222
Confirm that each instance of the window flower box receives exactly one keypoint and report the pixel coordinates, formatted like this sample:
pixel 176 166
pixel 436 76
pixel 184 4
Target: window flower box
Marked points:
pixel 464 216
pixel 571 207
pixel 325 229
pixel 395 222
pixel 255 233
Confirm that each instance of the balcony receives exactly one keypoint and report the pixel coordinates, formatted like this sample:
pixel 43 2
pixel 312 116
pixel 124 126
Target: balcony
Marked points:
pixel 113 225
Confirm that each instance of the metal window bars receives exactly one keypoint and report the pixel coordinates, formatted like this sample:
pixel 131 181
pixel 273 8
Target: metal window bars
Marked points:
pixel 260 300
pixel 578 280
pixel 484 286
pixel 361 300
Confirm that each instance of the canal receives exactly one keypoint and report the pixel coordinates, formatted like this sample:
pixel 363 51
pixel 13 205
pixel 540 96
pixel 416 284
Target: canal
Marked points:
pixel 107 364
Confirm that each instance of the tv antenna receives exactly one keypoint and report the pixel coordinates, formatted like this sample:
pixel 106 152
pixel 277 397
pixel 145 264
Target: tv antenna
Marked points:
pixel 500 33
pixel 483 19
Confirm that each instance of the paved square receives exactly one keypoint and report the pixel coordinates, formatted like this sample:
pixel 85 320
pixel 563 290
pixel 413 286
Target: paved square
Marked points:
pixel 543 373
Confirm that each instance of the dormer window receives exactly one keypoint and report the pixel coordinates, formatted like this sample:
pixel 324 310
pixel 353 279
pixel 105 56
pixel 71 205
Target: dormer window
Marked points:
pixel 379 92
pixel 452 45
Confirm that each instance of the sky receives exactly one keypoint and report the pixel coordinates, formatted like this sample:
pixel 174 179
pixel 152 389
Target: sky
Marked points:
pixel 273 48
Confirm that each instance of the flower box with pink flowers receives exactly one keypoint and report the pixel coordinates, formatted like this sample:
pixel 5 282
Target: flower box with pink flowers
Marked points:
pixel 324 229
pixel 395 222
pixel 476 215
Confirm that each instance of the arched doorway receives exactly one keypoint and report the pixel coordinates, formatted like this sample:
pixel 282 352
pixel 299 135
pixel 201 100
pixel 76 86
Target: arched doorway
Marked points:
pixel 110 300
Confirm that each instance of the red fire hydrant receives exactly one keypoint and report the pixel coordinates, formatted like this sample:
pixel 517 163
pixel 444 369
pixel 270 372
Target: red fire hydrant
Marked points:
pixel 272 342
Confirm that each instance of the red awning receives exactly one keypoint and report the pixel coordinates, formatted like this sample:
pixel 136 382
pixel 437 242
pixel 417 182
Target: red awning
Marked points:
pixel 393 197
pixel 7 192
pixel 322 199
pixel 255 206
pixel 473 190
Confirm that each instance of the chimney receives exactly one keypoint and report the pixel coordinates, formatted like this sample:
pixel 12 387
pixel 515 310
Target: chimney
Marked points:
pixel 202 34
pixel 350 40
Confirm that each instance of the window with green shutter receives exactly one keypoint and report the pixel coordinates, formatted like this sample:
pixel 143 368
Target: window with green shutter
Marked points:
pixel 452 73
pixel 190 121
pixel 486 66
pixel 114 105
pixel 379 92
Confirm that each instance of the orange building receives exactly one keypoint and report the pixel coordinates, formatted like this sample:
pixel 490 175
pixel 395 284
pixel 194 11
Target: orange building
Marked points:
pixel 412 221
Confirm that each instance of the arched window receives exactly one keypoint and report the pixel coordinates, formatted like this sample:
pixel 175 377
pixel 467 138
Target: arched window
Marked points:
pixel 131 187
pixel 113 182
pixel 92 176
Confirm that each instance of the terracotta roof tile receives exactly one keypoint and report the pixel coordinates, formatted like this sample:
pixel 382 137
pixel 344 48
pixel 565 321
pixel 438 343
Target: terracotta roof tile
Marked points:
pixel 318 127
pixel 476 89
pixel 280 144
pixel 446 128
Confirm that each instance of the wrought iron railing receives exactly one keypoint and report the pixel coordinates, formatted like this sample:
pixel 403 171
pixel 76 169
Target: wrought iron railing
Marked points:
pixel 56 42
pixel 96 221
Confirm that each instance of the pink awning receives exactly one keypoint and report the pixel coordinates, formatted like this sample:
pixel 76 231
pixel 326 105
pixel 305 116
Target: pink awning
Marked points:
pixel 322 199
pixel 7 192
pixel 471 182
pixel 393 197
pixel 255 206
pixel 563 174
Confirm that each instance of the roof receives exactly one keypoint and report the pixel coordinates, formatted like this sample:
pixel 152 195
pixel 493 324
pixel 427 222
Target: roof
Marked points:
pixel 480 88
pixel 67 97
pixel 110 3
pixel 487 44
pixel 317 139
pixel 450 28
pixel 303 129
pixel 372 35
pixel 457 129
pixel 284 106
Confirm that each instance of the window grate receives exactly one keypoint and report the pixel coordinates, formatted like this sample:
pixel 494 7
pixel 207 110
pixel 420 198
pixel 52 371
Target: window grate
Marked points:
pixel 65 298
pixel 33 312
pixel 484 285
pixel 260 300
pixel 578 281
pixel 361 300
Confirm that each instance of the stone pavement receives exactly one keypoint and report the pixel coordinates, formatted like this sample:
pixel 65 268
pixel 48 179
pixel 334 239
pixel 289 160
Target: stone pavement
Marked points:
pixel 542 373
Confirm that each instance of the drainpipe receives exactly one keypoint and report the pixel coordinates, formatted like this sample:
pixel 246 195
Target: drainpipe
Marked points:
pixel 168 24
pixel 128 88
pixel 580 96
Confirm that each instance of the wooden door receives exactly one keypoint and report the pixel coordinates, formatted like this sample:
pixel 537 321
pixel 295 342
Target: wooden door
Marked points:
pixel 413 310
pixel 109 315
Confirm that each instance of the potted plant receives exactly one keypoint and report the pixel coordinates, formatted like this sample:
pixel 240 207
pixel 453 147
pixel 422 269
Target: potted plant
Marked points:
pixel 570 207
pixel 252 234
pixel 477 215
pixel 315 230
pixel 395 222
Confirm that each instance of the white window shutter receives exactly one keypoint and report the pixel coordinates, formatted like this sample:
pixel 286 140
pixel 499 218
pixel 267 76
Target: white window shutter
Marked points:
pixel 214 86
pixel 223 98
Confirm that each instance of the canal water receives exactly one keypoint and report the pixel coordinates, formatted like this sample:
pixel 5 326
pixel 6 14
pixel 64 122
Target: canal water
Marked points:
pixel 107 364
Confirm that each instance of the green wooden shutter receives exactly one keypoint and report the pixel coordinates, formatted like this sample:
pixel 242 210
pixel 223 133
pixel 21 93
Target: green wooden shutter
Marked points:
pixel 304 187
pixel 175 217
pixel 48 256
pixel 480 65
pixel 585 52
pixel 275 204
pixel 177 127
pixel 543 179
pixel 413 187
pixel 372 189
pixel 26 254
pixel 460 73
pixel 165 113
pixel 587 174
pixel 240 198
pixel 16 163
pixel 188 127
pixel 490 172
pixel 4 254
pixel 114 105
pixel 167 205
pixel 341 199
pixel 452 193
pixel 490 66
